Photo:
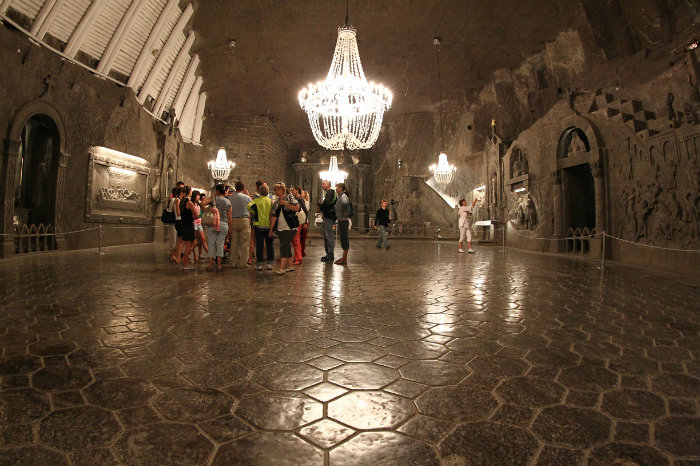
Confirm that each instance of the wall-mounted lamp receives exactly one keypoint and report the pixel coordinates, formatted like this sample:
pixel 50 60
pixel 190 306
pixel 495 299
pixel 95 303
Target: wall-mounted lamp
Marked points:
pixel 400 163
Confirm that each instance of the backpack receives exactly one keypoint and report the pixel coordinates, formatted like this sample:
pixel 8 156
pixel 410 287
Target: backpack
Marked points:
pixel 351 208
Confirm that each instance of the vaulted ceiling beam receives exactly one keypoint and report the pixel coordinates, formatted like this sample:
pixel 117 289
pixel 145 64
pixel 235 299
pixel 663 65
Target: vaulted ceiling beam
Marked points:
pixel 174 72
pixel 165 52
pixel 81 31
pixel 120 35
pixel 184 91
pixel 46 17
pixel 197 131
pixel 140 65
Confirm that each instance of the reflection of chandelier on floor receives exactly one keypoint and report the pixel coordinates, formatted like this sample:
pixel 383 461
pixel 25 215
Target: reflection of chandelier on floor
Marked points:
pixel 334 175
pixel 221 168
pixel 345 110
pixel 443 172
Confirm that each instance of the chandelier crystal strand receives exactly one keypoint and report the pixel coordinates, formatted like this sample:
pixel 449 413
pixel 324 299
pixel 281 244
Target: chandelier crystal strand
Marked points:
pixel 344 110
pixel 443 172
pixel 334 175
pixel 221 168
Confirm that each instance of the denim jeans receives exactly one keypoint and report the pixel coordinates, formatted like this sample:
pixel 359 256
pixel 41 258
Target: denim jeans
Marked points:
pixel 262 240
pixel 343 232
pixel 382 236
pixel 329 236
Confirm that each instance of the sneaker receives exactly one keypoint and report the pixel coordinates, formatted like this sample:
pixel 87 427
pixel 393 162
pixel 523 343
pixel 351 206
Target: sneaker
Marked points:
pixel 268 266
pixel 280 271
pixel 289 269
pixel 258 267
pixel 460 250
pixel 471 251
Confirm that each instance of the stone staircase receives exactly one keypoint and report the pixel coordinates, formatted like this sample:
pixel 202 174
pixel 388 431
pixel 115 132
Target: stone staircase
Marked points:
pixel 630 112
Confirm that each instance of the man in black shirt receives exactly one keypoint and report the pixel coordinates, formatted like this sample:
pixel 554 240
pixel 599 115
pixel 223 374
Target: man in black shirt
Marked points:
pixel 381 222
pixel 326 207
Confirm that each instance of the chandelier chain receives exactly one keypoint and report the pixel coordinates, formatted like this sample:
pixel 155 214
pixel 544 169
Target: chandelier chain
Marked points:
pixel 437 51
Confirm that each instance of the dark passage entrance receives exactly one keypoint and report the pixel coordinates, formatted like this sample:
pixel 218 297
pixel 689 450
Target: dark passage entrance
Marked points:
pixel 36 172
pixel 579 195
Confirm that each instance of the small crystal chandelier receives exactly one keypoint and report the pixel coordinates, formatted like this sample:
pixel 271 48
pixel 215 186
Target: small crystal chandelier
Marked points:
pixel 345 111
pixel 334 175
pixel 221 168
pixel 443 172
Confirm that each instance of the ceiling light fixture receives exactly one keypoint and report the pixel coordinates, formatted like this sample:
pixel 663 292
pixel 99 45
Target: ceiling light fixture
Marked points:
pixel 443 172
pixel 344 110
pixel 221 168
pixel 334 175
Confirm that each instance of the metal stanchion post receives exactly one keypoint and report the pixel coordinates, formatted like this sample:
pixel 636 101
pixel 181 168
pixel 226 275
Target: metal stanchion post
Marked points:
pixel 99 239
pixel 504 239
pixel 602 253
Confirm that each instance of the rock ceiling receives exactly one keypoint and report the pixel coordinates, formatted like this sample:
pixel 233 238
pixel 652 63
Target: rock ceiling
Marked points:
pixel 283 45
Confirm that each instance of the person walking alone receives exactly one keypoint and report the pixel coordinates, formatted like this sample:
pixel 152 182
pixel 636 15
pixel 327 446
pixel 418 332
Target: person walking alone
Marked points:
pixel 381 223
pixel 465 214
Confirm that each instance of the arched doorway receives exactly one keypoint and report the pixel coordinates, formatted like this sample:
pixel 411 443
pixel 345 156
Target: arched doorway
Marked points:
pixel 579 198
pixel 36 171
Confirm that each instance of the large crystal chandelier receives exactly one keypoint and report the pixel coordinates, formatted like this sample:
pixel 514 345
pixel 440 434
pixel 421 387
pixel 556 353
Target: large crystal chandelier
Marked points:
pixel 333 174
pixel 443 172
pixel 345 110
pixel 221 168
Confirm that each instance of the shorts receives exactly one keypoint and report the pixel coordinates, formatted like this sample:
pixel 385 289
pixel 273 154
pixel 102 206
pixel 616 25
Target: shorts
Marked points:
pixel 178 228
pixel 198 227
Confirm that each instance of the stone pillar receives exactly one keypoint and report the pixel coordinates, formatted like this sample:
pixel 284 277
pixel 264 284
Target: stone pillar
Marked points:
pixel 10 151
pixel 60 199
pixel 558 211
pixel 599 180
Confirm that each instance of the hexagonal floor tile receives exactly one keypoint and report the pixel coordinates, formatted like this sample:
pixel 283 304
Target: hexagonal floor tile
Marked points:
pixel 164 443
pixel 566 425
pixel 362 376
pixel 678 436
pixel 356 352
pixel 32 455
pixel 379 410
pixel 383 449
pixel 23 406
pixel 487 442
pixel 276 448
pixel 120 393
pixel 279 411
pixel 418 350
pixel 61 378
pixel 633 405
pixel 624 453
pixel 326 433
pixel 530 391
pixel 586 377
pixel 458 403
pixel 287 376
pixel 78 428
pixel 434 372
pixel 215 374
pixel 191 404
pixel 498 366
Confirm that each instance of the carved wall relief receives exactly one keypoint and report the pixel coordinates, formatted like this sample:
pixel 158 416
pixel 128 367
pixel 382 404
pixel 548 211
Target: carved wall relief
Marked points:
pixel 522 212
pixel 518 163
pixel 117 187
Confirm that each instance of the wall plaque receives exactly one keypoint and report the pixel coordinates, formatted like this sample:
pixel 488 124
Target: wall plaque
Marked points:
pixel 117 187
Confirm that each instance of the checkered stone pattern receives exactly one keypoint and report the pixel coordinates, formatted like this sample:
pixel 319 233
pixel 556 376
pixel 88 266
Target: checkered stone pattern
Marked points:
pixel 415 355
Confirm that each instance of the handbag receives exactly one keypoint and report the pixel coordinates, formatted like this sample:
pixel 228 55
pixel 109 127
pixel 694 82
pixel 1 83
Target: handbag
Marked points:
pixel 167 216
pixel 211 218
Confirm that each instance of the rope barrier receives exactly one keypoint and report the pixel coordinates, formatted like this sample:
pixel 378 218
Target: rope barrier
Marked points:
pixel 651 246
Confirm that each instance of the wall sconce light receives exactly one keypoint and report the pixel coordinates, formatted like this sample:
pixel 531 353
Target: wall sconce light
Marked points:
pixel 519 190
pixel 481 188
pixel 400 163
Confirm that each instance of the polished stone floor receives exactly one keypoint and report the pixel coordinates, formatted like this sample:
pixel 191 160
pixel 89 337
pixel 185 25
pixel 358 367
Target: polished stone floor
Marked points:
pixel 415 355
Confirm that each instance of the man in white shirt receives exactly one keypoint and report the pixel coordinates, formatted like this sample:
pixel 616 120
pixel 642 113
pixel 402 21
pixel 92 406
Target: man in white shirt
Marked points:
pixel 465 213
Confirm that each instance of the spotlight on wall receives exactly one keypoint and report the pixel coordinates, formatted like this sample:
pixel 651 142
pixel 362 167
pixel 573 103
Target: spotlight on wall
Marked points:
pixel 519 190
pixel 400 163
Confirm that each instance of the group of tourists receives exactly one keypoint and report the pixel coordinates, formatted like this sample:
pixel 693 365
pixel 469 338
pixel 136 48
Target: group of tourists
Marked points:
pixel 247 223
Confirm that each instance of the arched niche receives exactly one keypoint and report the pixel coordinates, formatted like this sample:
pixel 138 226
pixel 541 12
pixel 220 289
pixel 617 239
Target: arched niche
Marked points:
pixel 45 120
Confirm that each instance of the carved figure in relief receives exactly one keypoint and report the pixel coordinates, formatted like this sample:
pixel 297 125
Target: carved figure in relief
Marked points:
pixel 690 114
pixel 669 106
pixel 691 210
pixel 576 145
pixel 530 214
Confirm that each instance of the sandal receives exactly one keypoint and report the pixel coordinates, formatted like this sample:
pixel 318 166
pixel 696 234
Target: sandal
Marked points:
pixel 218 268
pixel 250 262
pixel 341 262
